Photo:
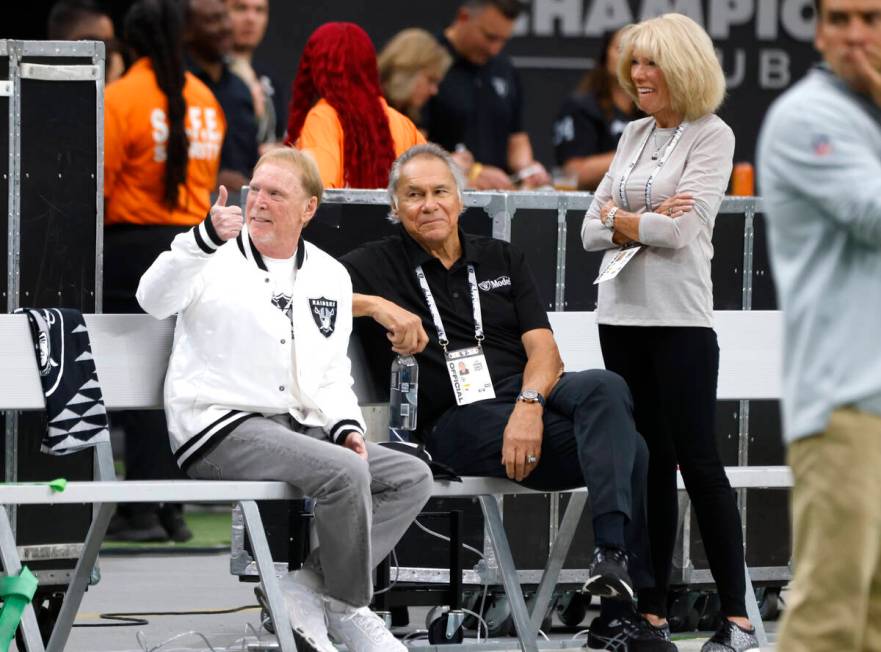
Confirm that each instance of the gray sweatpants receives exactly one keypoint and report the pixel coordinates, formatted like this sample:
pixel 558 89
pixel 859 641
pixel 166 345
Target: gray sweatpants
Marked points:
pixel 362 508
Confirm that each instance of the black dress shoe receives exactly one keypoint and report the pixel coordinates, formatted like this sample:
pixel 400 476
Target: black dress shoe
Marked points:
pixel 171 517
pixel 137 528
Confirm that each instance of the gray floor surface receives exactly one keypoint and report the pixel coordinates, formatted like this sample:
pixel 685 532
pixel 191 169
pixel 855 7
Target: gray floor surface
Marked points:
pixel 200 588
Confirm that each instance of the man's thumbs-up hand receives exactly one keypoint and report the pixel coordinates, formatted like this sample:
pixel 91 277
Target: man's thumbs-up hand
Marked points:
pixel 227 220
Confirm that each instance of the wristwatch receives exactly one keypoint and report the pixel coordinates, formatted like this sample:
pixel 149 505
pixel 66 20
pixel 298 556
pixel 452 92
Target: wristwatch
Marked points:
pixel 531 396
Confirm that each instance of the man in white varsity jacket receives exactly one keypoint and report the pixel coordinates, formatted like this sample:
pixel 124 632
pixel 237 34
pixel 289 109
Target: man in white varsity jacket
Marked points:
pixel 259 388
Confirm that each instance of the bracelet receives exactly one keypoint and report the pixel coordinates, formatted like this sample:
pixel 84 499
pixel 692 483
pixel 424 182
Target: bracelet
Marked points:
pixel 610 218
pixel 474 172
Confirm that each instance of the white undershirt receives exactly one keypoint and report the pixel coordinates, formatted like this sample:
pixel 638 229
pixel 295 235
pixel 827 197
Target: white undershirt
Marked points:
pixel 282 275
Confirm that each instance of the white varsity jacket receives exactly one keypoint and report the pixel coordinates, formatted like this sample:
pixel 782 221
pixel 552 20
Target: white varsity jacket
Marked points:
pixel 232 357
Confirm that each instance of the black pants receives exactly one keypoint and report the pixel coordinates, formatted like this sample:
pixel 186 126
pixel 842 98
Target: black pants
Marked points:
pixel 672 373
pixel 129 250
pixel 589 440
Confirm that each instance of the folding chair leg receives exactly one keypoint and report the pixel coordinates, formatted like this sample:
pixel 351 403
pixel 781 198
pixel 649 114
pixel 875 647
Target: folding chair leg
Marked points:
pixel 559 550
pixel 266 568
pixel 101 514
pixel 82 575
pixel 525 632
pixel 102 459
pixel 752 609
pixel 30 631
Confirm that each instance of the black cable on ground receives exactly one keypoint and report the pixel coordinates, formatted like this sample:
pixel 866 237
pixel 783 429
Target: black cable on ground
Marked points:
pixel 126 621
pixel 133 618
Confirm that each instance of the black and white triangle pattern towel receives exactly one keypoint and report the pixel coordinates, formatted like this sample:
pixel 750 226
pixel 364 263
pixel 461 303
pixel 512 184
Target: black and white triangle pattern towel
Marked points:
pixel 74 403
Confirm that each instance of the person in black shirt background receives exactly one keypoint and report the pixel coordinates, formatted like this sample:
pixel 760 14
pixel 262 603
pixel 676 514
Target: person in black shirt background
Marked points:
pixel 479 105
pixel 591 121
pixel 208 42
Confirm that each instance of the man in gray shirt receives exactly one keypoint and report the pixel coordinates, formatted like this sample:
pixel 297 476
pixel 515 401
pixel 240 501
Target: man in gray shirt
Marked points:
pixel 820 174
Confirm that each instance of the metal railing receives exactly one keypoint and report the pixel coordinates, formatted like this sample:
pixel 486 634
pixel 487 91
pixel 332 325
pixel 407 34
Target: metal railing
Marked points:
pixel 502 207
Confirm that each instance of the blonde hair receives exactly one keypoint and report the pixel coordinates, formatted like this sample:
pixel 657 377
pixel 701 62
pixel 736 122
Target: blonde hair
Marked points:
pixel 684 53
pixel 408 53
pixel 299 161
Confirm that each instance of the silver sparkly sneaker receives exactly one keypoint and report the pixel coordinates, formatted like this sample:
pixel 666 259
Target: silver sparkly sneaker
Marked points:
pixel 731 637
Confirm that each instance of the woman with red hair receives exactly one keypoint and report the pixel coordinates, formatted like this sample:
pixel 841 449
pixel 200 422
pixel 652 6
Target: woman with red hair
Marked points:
pixel 338 113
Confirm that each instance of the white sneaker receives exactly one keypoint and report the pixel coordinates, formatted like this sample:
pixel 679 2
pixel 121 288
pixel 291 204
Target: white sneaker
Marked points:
pixel 360 629
pixel 305 605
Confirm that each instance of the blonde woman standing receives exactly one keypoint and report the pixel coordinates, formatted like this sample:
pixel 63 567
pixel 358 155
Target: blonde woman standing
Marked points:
pixel 659 201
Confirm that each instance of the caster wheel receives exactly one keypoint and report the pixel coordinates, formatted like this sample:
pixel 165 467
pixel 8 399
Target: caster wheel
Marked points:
pixel 572 608
pixel 266 621
pixel 682 615
pixel 546 622
pixel 437 632
pixel 265 618
pixel 498 615
pixel 46 614
pixel 471 602
pixel 769 602
pixel 709 606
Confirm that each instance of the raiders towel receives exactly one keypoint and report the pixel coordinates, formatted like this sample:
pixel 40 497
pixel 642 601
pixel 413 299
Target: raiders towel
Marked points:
pixel 74 403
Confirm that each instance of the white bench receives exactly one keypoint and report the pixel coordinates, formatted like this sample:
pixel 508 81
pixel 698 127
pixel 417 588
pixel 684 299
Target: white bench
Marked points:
pixel 750 349
pixel 131 353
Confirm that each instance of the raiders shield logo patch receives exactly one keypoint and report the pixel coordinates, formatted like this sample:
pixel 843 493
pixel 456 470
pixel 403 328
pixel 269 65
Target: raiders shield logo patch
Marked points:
pixel 324 314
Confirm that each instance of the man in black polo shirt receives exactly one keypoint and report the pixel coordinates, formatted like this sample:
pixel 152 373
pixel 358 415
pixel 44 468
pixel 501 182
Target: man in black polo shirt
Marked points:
pixel 515 413
pixel 208 42
pixel 479 103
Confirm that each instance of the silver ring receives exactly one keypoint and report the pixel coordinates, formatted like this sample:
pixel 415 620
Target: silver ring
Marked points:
pixel 670 212
pixel 531 459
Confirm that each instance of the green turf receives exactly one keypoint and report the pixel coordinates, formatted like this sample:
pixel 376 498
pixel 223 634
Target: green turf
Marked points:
pixel 210 530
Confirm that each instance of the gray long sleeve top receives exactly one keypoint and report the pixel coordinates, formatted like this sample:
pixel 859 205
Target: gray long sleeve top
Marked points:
pixel 668 283
pixel 820 176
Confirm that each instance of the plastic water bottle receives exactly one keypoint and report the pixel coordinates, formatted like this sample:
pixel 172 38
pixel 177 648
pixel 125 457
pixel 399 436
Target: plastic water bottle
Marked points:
pixel 404 392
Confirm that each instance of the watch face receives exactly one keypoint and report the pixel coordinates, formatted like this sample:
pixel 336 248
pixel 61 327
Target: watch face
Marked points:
pixel 531 396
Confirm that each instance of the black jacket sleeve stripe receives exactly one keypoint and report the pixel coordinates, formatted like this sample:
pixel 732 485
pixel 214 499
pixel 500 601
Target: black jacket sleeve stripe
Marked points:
pixel 210 230
pixel 343 427
pixel 204 246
